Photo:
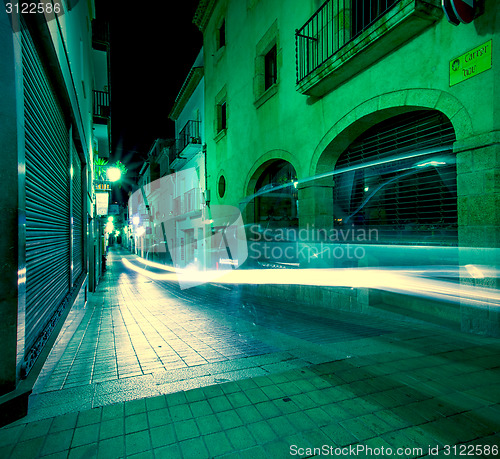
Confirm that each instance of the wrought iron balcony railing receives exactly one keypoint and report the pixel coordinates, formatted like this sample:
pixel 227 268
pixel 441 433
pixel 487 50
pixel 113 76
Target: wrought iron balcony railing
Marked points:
pixel 101 104
pixel 333 26
pixel 190 134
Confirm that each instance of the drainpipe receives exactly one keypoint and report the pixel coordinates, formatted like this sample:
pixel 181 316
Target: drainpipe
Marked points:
pixel 207 192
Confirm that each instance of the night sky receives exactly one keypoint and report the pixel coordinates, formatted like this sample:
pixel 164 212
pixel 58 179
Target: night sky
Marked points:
pixel 152 50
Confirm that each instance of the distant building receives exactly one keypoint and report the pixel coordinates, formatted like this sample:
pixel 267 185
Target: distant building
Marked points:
pixel 55 119
pixel 172 205
pixel 375 117
pixel 190 212
pixel 145 205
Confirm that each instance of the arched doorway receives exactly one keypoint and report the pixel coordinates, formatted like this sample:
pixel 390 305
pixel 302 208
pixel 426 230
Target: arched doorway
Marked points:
pixel 272 215
pixel 276 200
pixel 399 178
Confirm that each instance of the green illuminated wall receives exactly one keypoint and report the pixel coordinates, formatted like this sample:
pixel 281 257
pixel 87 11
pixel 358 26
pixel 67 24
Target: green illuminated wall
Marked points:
pixel 311 132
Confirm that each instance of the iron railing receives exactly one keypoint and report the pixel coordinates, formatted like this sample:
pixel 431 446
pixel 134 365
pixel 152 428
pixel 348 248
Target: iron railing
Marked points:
pixel 101 104
pixel 334 25
pixel 190 134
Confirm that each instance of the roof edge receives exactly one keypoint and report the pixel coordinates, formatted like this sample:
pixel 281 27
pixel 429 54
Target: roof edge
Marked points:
pixel 192 80
pixel 203 13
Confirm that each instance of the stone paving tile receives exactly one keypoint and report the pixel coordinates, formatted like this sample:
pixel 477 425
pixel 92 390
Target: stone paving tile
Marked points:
pixel 179 424
pixel 418 387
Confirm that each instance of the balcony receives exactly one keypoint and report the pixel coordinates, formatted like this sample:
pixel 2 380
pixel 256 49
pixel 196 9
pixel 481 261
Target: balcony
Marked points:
pixel 102 123
pixel 100 34
pixel 187 144
pixel 101 106
pixel 188 204
pixel 166 156
pixel 346 36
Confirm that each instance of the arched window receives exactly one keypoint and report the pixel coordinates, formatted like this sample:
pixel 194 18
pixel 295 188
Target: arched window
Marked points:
pixel 399 177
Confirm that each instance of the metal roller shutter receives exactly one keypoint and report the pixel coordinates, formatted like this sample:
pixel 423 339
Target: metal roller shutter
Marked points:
pixel 400 178
pixel 77 215
pixel 47 202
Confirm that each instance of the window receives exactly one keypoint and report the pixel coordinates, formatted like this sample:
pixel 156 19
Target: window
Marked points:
pixel 222 186
pixel 221 116
pixel 270 68
pixel 267 61
pixel 221 35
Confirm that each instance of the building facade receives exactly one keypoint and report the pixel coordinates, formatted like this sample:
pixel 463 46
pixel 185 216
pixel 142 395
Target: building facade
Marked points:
pixel 170 201
pixel 374 117
pixel 189 213
pixel 51 69
pixel 144 205
pixel 172 220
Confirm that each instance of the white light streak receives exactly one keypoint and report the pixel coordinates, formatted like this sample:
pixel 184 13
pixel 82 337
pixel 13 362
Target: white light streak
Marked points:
pixel 398 280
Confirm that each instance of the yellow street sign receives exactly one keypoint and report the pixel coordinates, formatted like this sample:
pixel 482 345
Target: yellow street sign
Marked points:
pixel 471 63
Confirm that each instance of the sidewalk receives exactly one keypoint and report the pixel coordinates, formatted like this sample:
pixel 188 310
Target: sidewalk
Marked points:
pixel 147 370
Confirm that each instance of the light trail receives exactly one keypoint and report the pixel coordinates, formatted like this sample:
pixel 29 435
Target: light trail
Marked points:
pixel 158 265
pixel 378 162
pixel 398 280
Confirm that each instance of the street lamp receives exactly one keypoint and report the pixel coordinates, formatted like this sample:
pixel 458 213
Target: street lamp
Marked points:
pixel 114 174
pixel 109 227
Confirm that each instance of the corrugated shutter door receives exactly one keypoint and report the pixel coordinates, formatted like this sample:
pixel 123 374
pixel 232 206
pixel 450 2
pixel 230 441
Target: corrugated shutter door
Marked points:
pixel 77 203
pixel 47 198
pixel 400 177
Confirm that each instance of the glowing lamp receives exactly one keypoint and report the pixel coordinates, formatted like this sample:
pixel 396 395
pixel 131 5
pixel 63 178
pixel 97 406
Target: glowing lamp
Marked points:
pixel 114 174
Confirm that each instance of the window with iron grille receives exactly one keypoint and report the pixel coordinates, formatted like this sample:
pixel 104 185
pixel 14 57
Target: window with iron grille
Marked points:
pixel 400 178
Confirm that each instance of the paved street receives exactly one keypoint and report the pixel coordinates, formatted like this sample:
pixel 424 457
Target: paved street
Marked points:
pixel 149 370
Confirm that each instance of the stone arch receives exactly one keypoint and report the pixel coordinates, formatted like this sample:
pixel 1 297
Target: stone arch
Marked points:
pixel 260 164
pixel 380 108
pixel 256 171
pixel 319 192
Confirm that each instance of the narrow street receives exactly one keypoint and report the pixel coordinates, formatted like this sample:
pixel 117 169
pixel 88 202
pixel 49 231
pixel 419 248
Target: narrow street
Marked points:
pixel 139 337
pixel 287 244
pixel 213 371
